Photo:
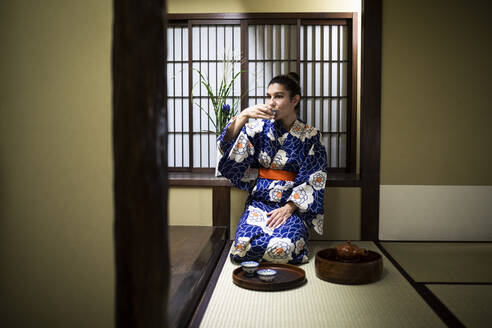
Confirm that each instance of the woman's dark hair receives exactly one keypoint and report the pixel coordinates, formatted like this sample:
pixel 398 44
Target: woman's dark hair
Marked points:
pixel 290 82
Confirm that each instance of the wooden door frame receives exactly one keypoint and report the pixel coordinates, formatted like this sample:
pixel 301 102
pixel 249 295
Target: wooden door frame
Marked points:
pixel 140 157
pixel 370 135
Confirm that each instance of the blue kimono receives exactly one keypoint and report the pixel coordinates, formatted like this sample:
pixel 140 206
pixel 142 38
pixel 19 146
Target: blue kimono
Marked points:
pixel 267 144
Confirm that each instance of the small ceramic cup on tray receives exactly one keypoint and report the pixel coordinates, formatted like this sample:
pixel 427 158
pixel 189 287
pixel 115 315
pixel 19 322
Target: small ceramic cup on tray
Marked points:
pixel 266 275
pixel 250 267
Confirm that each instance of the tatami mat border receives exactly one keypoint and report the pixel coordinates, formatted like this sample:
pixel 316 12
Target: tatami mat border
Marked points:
pixel 437 306
pixel 202 306
pixel 454 283
pixel 437 241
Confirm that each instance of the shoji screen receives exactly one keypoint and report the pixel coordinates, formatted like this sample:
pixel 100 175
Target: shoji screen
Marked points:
pixel 214 50
pixel 324 65
pixel 319 50
pixel 178 99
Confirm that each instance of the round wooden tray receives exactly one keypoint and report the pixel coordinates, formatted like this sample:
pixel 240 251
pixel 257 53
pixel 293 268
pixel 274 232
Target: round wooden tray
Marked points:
pixel 367 270
pixel 288 277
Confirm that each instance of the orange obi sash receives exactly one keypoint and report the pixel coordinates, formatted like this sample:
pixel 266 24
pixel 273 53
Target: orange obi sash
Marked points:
pixel 273 174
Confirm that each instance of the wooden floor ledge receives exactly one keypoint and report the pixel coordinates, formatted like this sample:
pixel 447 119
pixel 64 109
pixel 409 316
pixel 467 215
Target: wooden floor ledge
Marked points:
pixel 208 179
pixel 194 253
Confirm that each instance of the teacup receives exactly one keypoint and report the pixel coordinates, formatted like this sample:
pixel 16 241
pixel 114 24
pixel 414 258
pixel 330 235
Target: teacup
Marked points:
pixel 249 267
pixel 266 275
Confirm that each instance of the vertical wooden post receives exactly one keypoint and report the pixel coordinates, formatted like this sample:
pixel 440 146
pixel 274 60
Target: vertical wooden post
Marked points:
pixel 371 117
pixel 140 163
pixel 221 210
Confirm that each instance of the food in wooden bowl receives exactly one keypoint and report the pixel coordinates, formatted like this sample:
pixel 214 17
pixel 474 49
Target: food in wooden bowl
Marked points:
pixel 350 252
pixel 349 265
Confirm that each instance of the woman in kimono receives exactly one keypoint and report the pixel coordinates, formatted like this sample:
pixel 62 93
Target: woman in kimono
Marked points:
pixel 288 194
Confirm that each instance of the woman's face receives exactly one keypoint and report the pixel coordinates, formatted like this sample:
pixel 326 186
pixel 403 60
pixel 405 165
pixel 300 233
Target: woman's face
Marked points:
pixel 279 98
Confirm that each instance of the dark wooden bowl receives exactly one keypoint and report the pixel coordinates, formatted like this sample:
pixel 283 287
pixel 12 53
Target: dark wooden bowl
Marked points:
pixel 366 270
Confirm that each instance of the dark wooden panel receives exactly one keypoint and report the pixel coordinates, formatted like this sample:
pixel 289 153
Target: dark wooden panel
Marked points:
pixel 187 296
pixel 265 16
pixel 370 117
pixel 215 22
pixel 352 86
pixel 370 208
pixel 244 65
pixel 221 210
pixel 185 244
pixel 205 179
pixel 140 163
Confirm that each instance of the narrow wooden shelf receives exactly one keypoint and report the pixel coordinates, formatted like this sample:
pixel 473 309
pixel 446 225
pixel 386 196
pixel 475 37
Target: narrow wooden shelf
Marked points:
pixel 205 179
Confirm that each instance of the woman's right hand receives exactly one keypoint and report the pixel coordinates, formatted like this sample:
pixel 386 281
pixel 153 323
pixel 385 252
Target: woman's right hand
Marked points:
pixel 262 111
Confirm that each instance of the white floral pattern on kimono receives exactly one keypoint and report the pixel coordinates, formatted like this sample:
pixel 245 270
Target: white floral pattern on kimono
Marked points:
pixel 257 217
pixel 318 224
pixel 267 144
pixel 302 196
pixel 300 245
pixel 242 149
pixel 318 180
pixel 303 131
pixel 264 159
pixel 277 190
pixel 241 246
pixel 254 127
pixel 279 250
pixel 279 160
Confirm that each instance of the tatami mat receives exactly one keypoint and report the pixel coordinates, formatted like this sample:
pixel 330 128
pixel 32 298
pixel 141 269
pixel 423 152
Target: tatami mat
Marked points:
pixel 471 304
pixel 444 262
pixel 390 302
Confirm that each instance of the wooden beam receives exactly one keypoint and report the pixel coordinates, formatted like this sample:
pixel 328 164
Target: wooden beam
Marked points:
pixel 221 208
pixel 370 117
pixel 140 163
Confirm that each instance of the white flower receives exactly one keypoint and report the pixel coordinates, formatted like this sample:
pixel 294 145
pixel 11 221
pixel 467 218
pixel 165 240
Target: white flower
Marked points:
pixel 311 150
pixel 302 131
pixel 297 130
pixel 318 180
pixel 300 245
pixel 241 149
pixel 242 246
pixel 277 190
pixel 258 217
pixel 254 127
pixel 310 131
pixel 270 135
pixel 318 224
pixel 265 160
pixel 279 250
pixel 276 195
pixel 282 138
pixel 279 160
pixel 302 196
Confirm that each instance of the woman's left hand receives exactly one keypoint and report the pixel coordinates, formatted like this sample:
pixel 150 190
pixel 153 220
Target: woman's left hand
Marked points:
pixel 278 216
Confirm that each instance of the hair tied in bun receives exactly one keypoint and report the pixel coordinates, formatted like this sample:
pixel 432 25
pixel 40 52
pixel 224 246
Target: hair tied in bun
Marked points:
pixel 294 76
